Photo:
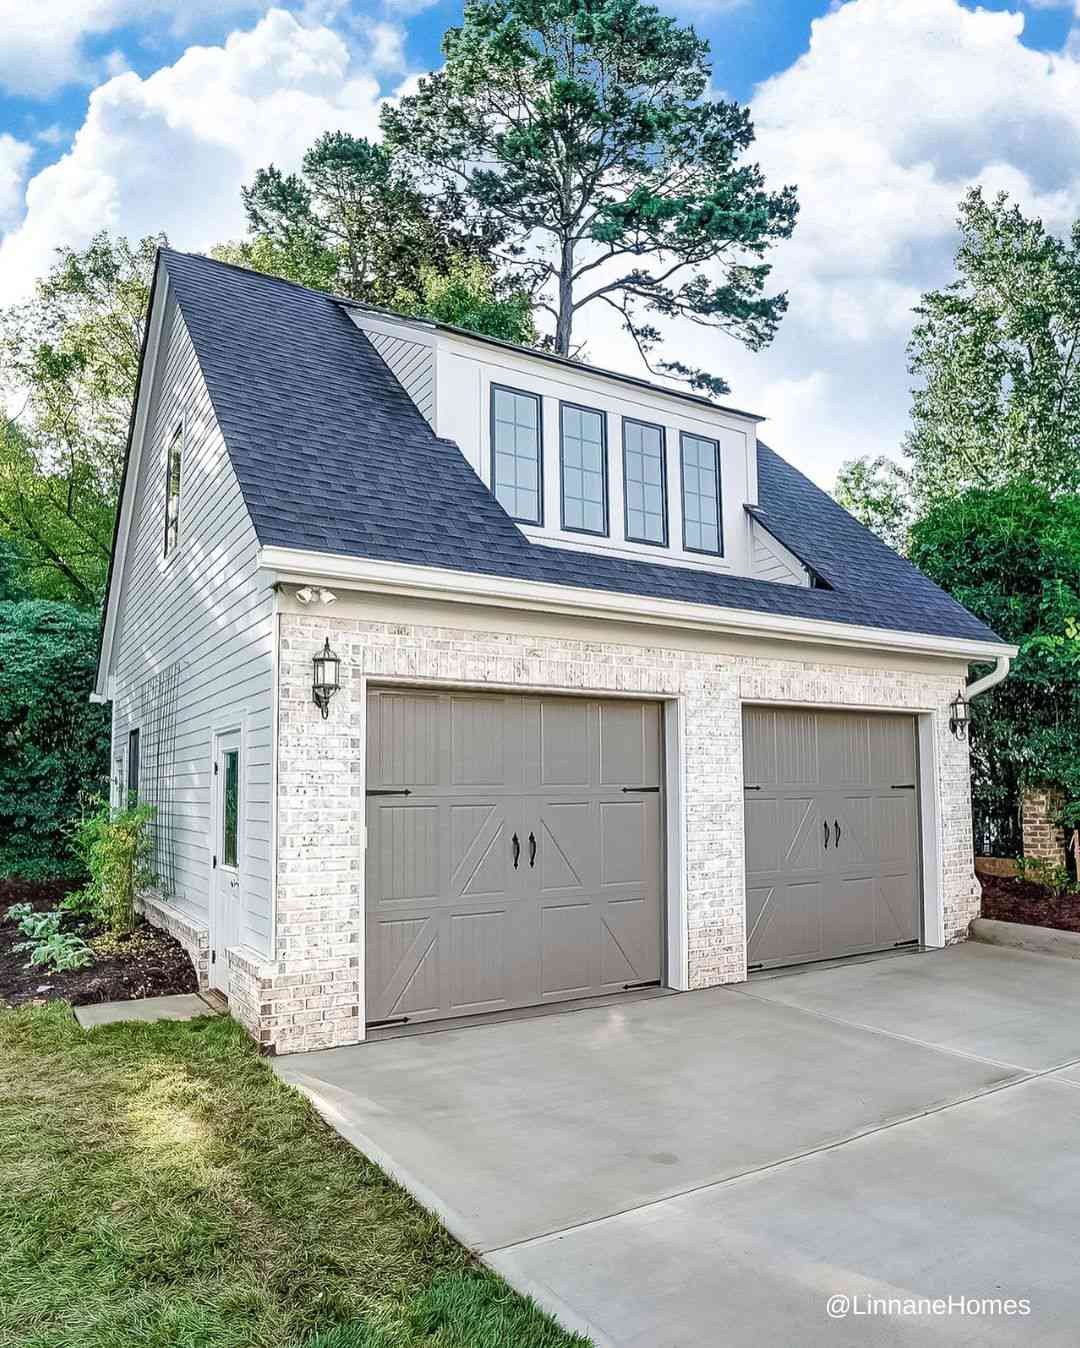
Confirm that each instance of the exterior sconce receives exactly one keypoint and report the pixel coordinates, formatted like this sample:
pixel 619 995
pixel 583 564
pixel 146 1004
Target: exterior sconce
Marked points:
pixel 326 679
pixel 958 721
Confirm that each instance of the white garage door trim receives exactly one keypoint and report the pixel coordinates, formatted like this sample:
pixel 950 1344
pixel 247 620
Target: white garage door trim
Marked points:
pixel 674 971
pixel 931 844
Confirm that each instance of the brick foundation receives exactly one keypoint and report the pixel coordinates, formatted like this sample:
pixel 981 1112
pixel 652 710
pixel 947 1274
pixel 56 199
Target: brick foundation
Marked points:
pixel 310 996
pixel 192 934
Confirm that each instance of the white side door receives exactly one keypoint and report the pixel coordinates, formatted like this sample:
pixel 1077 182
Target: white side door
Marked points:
pixel 226 873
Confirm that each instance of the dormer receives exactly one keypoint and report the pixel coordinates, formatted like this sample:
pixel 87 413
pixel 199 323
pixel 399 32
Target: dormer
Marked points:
pixel 590 459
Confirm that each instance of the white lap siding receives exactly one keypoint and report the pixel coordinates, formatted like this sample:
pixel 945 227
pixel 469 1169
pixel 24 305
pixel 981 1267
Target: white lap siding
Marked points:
pixel 202 621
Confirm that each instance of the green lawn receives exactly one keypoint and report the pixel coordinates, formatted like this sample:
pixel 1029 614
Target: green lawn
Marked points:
pixel 160 1188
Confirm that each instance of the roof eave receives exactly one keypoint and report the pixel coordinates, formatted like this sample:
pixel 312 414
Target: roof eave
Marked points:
pixel 300 566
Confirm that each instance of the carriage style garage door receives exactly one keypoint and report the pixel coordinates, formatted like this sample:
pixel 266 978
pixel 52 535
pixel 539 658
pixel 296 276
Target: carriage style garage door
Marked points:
pixel 831 834
pixel 514 851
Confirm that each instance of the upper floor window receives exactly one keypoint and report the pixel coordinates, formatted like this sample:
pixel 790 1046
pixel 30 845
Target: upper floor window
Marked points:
pixel 516 456
pixel 645 482
pixel 702 531
pixel 172 490
pixel 583 450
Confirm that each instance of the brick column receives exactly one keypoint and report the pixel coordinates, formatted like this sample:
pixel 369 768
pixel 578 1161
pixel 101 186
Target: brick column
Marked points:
pixel 1042 838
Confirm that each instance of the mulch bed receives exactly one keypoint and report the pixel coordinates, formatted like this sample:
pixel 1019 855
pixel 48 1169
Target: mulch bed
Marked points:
pixel 146 964
pixel 1008 899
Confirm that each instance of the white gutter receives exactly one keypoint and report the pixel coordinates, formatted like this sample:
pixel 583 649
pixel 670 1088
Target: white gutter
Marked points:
pixel 296 566
pixel 991 680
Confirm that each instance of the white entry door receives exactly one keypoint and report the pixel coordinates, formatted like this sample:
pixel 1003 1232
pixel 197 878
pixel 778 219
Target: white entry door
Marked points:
pixel 227 876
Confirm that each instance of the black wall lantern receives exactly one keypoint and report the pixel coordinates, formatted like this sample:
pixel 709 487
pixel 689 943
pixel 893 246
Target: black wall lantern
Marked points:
pixel 958 721
pixel 326 679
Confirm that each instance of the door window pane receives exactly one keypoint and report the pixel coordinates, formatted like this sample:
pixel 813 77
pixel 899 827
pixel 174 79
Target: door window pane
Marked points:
pixel 583 440
pixel 231 806
pixel 516 456
pixel 701 494
pixel 133 768
pixel 645 482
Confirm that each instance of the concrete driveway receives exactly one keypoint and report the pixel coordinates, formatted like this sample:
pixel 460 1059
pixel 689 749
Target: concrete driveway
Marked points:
pixel 710 1168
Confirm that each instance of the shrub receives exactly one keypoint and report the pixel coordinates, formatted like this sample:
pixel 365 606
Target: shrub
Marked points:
pixel 115 846
pixel 54 743
pixel 1054 878
pixel 47 944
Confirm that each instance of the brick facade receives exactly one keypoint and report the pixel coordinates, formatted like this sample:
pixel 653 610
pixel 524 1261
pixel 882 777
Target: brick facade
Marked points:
pixel 310 995
pixel 1043 839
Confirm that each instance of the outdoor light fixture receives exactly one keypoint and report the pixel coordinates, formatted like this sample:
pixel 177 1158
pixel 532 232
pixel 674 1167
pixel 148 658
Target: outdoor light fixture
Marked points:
pixel 326 679
pixel 958 721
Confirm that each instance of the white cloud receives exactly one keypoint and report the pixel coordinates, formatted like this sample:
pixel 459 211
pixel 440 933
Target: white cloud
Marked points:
pixel 14 160
pixel 895 110
pixel 171 151
pixel 43 42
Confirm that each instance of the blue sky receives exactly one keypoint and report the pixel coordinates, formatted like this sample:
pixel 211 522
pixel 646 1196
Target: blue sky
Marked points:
pixel 146 115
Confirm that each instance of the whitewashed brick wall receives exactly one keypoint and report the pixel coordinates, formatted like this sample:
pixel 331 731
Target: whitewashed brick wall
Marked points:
pixel 309 996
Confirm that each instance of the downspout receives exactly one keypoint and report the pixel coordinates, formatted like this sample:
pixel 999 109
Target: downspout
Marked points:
pixel 991 680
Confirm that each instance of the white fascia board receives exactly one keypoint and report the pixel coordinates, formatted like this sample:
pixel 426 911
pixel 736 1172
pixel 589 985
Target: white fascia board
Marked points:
pixel 296 566
pixel 158 306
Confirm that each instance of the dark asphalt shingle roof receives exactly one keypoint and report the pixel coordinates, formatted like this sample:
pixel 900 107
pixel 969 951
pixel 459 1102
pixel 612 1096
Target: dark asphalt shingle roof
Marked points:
pixel 333 456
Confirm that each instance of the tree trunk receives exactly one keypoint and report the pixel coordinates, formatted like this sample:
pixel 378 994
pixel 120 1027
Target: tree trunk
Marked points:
pixel 564 324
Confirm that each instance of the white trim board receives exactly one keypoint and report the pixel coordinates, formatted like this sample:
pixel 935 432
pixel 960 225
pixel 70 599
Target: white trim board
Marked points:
pixel 300 567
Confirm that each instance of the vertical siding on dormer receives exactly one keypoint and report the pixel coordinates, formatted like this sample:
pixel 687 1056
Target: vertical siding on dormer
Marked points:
pixel 206 610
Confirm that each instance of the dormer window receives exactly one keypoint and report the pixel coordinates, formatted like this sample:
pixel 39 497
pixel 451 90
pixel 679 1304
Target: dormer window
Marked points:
pixel 645 482
pixel 702 529
pixel 172 490
pixel 583 455
pixel 516 456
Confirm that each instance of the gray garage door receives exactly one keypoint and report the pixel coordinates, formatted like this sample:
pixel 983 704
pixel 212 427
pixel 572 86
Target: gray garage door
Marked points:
pixel 831 834
pixel 513 858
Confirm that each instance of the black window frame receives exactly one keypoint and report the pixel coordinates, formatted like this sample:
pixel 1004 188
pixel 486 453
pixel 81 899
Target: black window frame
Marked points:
pixel 538 399
pixel 175 448
pixel 665 502
pixel 707 440
pixel 131 786
pixel 605 532
pixel 230 818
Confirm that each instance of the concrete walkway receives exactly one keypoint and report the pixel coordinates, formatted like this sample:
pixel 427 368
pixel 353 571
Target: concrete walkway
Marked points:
pixel 710 1168
pixel 178 1006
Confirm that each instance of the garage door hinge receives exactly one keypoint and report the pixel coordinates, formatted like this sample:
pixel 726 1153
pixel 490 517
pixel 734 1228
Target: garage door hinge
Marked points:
pixel 632 987
pixel 751 967
pixel 902 786
pixel 393 1020
pixel 213 957
pixel 639 788
pixel 751 788
pixel 379 791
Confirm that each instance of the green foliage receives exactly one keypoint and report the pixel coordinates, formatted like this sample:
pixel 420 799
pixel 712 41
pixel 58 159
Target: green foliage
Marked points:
pixel 878 493
pixel 54 742
pixel 1055 879
pixel 996 353
pixel 1012 556
pixel 116 848
pixel 47 944
pixel 69 359
pixel 586 130
pixel 467 296
pixel 353 221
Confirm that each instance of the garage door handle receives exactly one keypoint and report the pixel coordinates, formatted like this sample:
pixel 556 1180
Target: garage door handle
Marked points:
pixel 515 843
pixel 532 850
pixel 836 826
pixel 826 835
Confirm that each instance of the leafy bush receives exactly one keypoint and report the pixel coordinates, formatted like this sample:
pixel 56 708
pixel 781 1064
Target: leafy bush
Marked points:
pixel 54 743
pixel 1012 556
pixel 1054 878
pixel 47 944
pixel 115 847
